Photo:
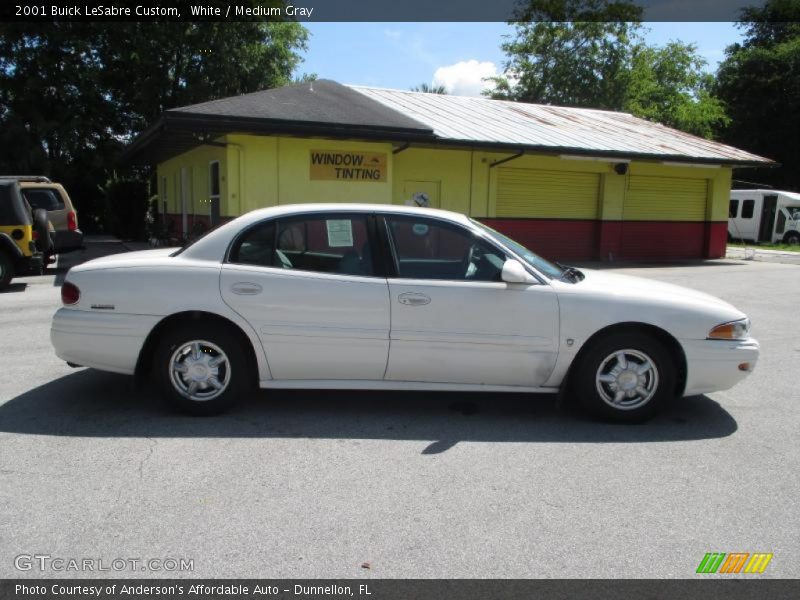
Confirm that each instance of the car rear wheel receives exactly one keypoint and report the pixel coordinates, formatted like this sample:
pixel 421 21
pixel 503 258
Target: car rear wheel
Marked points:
pixel 6 270
pixel 625 377
pixel 201 370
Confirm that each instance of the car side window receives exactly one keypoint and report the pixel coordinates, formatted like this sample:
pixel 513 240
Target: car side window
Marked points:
pixel 747 209
pixel 46 199
pixel 256 246
pixel 430 249
pixel 322 243
pixel 733 209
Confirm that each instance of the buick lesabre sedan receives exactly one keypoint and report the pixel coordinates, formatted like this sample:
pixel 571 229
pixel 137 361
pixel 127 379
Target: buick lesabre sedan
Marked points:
pixel 354 296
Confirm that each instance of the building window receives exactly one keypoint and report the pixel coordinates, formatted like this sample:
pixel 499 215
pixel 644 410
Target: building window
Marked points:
pixel 733 209
pixel 213 179
pixel 747 209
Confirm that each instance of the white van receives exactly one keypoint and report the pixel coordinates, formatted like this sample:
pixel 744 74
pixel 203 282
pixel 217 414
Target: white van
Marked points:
pixel 768 216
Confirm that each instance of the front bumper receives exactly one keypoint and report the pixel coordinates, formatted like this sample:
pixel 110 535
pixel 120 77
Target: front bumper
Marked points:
pixel 105 341
pixel 717 365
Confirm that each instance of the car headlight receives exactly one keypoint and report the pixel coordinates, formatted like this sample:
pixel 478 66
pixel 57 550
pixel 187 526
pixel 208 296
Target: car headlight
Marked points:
pixel 735 330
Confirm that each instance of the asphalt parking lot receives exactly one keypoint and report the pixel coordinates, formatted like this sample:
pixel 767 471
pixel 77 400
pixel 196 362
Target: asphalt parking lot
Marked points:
pixel 366 484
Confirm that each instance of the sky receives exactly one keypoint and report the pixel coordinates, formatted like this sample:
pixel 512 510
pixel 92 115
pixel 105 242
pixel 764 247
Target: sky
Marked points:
pixel 456 55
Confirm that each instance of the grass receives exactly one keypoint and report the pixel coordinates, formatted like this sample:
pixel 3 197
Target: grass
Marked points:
pixel 763 246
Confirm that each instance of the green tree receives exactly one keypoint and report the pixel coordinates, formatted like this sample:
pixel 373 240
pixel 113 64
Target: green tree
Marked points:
pixel 72 94
pixel 429 89
pixel 150 69
pixel 759 84
pixel 570 53
pixel 669 85
pixel 591 53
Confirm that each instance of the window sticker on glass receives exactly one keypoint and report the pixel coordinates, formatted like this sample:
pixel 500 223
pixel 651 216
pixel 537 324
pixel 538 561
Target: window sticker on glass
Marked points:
pixel 420 229
pixel 340 233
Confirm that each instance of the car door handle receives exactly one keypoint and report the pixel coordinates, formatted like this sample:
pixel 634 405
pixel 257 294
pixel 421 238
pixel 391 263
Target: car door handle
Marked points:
pixel 246 288
pixel 413 299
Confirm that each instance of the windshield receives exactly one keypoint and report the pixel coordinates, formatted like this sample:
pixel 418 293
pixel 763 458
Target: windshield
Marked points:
pixel 537 262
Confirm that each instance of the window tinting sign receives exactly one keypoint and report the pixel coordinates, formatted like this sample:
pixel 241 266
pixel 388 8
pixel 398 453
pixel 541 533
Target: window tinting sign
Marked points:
pixel 340 233
pixel 347 166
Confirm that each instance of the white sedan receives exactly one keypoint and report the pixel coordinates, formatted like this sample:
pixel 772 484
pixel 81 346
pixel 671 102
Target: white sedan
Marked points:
pixel 375 297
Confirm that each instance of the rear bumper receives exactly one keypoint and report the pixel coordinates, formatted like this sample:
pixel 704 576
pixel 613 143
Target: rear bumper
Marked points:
pixel 67 241
pixel 105 341
pixel 714 365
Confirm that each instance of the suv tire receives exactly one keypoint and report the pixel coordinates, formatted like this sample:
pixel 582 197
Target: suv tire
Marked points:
pixel 6 269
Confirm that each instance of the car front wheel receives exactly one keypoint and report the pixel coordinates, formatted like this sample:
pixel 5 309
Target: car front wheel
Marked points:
pixel 792 238
pixel 201 370
pixel 625 377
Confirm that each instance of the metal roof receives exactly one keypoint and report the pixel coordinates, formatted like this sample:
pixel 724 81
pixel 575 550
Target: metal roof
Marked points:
pixel 482 121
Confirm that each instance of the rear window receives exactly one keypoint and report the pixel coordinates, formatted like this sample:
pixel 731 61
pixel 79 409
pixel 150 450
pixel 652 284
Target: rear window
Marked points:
pixel 46 199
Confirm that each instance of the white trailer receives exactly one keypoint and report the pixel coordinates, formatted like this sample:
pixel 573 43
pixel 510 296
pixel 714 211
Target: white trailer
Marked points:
pixel 770 216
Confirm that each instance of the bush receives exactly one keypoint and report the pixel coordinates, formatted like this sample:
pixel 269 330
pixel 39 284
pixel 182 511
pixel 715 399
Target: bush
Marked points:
pixel 126 208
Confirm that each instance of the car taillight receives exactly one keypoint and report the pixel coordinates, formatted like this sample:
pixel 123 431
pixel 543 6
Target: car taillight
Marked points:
pixel 70 294
pixel 72 221
pixel 35 235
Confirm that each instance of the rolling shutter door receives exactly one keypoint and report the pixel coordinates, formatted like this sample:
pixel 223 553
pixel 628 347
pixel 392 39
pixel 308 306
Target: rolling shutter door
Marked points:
pixel 553 213
pixel 665 199
pixel 536 193
pixel 664 218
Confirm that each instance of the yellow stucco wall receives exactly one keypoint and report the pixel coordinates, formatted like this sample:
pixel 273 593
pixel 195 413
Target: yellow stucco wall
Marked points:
pixel 259 171
pixel 196 162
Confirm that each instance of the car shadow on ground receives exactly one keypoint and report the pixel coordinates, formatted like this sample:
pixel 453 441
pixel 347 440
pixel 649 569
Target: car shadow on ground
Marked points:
pixel 91 403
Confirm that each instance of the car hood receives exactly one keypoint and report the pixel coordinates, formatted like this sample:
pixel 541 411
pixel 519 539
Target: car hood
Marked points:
pixel 640 288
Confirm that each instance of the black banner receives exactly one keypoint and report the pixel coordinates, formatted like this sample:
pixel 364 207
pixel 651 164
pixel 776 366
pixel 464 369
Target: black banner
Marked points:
pixel 337 10
pixel 712 588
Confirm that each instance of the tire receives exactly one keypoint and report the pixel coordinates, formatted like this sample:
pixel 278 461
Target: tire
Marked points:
pixel 6 269
pixel 44 242
pixel 792 238
pixel 602 377
pixel 187 346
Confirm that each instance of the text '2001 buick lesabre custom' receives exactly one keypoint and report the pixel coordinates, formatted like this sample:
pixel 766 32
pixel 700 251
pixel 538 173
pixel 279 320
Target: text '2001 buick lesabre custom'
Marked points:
pixel 355 296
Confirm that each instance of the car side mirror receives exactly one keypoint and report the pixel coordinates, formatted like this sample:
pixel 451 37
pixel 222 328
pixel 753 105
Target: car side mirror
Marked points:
pixel 514 272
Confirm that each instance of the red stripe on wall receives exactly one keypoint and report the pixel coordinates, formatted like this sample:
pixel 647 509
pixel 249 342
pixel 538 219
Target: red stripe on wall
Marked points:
pixel 717 240
pixel 554 239
pixel 197 224
pixel 569 240
pixel 660 240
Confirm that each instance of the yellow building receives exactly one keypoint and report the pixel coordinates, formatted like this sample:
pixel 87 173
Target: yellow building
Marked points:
pixel 572 184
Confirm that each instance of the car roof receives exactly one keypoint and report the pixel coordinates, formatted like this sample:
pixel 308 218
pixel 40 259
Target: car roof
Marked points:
pixel 285 209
